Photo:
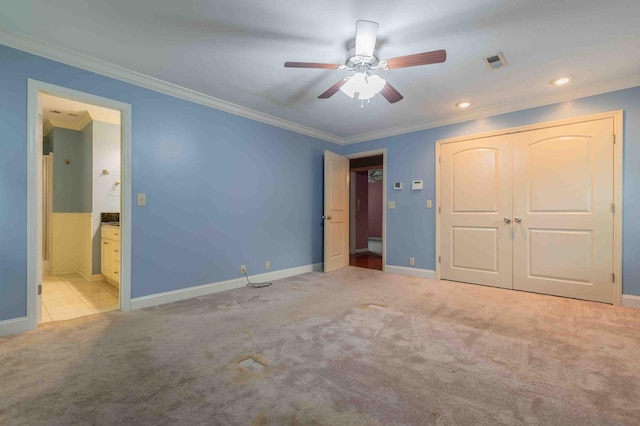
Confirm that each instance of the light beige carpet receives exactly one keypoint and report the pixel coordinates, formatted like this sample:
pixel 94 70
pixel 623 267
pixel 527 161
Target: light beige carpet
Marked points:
pixel 352 347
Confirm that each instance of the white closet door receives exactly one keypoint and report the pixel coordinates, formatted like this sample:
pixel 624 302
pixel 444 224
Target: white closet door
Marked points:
pixel 475 198
pixel 563 223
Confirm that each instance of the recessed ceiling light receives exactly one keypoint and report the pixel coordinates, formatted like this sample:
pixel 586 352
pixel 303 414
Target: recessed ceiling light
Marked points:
pixel 561 81
pixel 463 104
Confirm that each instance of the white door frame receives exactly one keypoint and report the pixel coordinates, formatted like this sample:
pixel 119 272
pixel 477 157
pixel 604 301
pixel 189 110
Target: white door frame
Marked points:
pixel 384 196
pixel 34 191
pixel 618 125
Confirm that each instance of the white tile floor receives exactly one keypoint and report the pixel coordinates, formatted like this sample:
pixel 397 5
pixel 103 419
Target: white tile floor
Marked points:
pixel 68 296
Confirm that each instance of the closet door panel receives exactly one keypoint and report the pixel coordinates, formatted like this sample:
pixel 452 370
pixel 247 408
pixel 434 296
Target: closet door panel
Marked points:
pixel 563 223
pixel 475 199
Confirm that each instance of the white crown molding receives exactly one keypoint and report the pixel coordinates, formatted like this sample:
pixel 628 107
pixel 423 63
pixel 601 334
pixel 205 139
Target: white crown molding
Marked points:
pixel 40 48
pixel 552 98
pixel 56 53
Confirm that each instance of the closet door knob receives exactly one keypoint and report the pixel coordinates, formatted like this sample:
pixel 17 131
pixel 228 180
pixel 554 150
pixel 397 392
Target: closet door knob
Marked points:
pixel 507 219
pixel 518 220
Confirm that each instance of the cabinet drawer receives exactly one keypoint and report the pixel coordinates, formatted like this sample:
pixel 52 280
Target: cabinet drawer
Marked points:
pixel 110 233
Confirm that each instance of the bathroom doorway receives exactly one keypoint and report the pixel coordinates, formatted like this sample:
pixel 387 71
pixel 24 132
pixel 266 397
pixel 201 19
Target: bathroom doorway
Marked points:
pixel 78 185
pixel 81 189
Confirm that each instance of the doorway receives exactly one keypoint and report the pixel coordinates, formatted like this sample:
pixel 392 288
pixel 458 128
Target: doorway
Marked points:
pixel 78 189
pixel 366 206
pixel 81 200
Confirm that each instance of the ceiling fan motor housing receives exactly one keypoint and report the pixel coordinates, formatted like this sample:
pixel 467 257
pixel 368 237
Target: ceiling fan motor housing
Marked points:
pixel 354 60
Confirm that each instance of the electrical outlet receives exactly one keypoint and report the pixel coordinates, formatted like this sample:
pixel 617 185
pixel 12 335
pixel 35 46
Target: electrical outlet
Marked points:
pixel 141 199
pixel 243 269
pixel 267 265
pixel 429 204
pixel 412 261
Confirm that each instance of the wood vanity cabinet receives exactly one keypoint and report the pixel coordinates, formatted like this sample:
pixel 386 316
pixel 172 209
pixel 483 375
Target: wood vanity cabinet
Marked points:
pixel 110 253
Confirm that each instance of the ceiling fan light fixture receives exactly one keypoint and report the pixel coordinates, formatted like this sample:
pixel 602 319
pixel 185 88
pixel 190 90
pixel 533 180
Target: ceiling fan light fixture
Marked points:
pixel 363 86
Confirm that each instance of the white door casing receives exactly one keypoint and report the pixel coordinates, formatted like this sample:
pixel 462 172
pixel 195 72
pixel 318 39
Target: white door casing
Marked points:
pixel 563 219
pixel 336 211
pixel 475 199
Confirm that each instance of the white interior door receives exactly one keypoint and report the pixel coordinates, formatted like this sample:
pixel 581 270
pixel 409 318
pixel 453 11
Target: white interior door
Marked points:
pixel 563 221
pixel 476 205
pixel 336 211
pixel 39 211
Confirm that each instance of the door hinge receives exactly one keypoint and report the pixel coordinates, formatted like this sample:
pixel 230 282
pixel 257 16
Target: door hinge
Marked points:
pixel 613 277
pixel 39 289
pixel 439 209
pixel 613 208
pixel 440 160
pixel 614 139
pixel 439 259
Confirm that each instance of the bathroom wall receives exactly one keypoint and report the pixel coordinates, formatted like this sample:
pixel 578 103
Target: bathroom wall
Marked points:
pixel 375 209
pixel 362 210
pixel 70 190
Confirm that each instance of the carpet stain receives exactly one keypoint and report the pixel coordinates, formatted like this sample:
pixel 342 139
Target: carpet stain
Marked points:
pixel 373 306
pixel 260 420
pixel 244 374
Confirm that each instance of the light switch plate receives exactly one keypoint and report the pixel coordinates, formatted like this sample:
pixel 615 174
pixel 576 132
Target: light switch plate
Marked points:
pixel 392 204
pixel 142 199
pixel 429 204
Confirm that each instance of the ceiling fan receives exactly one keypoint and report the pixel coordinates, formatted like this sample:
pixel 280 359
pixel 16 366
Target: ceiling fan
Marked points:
pixel 362 59
pixel 374 175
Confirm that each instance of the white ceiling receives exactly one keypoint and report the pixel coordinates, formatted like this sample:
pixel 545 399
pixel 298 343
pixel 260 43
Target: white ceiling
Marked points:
pixel 234 50
pixel 74 115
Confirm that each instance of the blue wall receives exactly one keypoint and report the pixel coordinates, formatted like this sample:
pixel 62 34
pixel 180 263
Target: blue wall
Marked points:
pixel 221 190
pixel 411 226
pixel 71 182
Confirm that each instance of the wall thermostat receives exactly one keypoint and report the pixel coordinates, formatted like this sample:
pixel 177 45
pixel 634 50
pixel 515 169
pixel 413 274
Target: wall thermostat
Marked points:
pixel 397 185
pixel 417 185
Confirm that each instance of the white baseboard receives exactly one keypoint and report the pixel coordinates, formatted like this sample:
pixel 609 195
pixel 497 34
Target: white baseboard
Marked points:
pixel 96 277
pixel 14 326
pixel 62 271
pixel 203 290
pixel 375 238
pixel 631 301
pixel 414 272
pixel 362 250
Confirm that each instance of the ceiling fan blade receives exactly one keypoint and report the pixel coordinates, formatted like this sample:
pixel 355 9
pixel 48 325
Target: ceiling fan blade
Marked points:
pixel 310 65
pixel 391 94
pixel 426 58
pixel 332 90
pixel 366 34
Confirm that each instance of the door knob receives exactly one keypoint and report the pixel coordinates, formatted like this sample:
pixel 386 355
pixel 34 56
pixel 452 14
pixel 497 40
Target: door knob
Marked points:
pixel 518 220
pixel 507 219
pixel 327 217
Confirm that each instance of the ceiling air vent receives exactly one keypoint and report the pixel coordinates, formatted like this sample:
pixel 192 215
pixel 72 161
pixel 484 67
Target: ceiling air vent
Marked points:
pixel 496 61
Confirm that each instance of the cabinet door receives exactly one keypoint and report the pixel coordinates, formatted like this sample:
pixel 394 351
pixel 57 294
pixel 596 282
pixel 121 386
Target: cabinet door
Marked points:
pixel 115 261
pixel 105 259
